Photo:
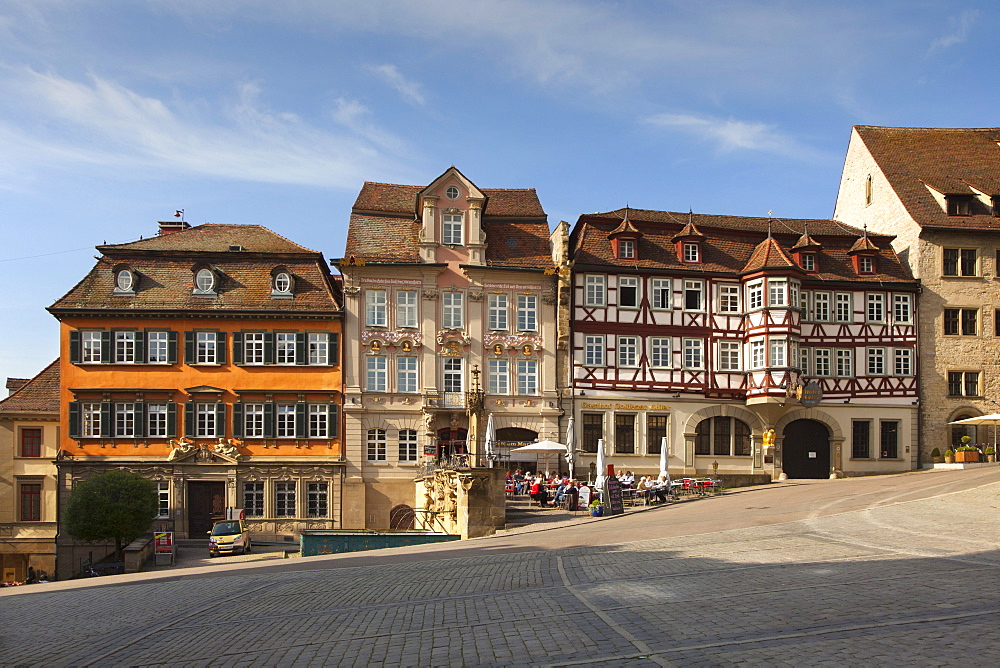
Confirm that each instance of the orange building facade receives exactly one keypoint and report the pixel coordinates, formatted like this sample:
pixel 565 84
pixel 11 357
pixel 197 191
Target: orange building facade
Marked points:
pixel 207 360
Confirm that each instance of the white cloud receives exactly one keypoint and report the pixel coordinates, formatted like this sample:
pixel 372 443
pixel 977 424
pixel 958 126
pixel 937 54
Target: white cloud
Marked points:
pixel 730 135
pixel 101 123
pixel 958 32
pixel 409 90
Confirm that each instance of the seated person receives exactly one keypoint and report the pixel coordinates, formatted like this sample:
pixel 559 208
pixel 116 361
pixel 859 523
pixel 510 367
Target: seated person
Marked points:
pixel 661 488
pixel 560 492
pixel 539 493
pixel 571 497
pixel 628 480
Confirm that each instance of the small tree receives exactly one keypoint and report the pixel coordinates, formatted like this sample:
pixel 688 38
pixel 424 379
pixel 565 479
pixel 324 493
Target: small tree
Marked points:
pixel 116 505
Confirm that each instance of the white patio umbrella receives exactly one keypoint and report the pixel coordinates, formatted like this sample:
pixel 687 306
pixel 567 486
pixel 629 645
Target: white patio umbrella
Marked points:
pixel 992 418
pixel 571 445
pixel 602 467
pixel 663 457
pixel 490 441
pixel 542 448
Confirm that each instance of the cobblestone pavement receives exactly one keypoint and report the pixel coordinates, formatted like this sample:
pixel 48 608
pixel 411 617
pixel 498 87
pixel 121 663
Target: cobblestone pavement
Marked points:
pixel 900 581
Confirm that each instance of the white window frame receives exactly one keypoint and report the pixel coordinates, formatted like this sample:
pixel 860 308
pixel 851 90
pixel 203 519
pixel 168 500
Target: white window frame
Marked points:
pixel 660 353
pixel 777 293
pixel 407 445
pixel 319 420
pixel 626 249
pixel 406 309
pixel 844 307
pixel 866 264
pixel 497 312
pixel 845 363
pixel 284 348
pixel 498 376
pixel 729 298
pixel 158 347
pixel 452 229
pixel 453 310
pixel 729 355
pixel 125 350
pixel 691 252
pixel 694 353
pixel 253 348
pixel 696 287
pixel 206 347
pixel 661 294
pixel 821 306
pixel 630 283
pixel 406 374
pixel 319 348
pixel 876 361
pixel 90 420
pixel 376 378
pixel 205 420
pixel 823 361
pixel 902 308
pixel 253 420
pixel 628 351
pixel 809 262
pixel 90 346
pixel 125 419
pixel 778 353
pixel 527 313
pixel 284 421
pixel 527 377
pixel 375 308
pixel 376 445
pixel 162 499
pixel 757 354
pixel 804 361
pixel 595 290
pixel 156 420
pixel 903 361
pixel 594 349
pixel 453 379
pixel 875 307
pixel 755 295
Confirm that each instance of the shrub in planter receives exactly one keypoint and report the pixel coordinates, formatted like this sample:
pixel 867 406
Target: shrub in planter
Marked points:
pixel 596 508
pixel 949 456
pixel 936 455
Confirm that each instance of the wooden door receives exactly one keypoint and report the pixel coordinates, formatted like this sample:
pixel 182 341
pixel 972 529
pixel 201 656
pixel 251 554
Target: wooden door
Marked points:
pixel 206 504
pixel 806 450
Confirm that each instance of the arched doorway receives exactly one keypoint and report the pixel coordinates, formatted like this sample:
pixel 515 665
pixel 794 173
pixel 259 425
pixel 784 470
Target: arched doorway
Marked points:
pixel 806 450
pixel 452 442
pixel 509 438
pixel 960 430
pixel 401 517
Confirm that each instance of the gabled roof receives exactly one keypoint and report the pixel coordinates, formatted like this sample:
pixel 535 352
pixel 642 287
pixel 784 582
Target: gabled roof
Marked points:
pixel 863 244
pixel 165 269
pixel 384 226
pixel 626 228
pixel 38 395
pixel 952 161
pixel 690 231
pixel 806 242
pixel 768 255
pixel 729 244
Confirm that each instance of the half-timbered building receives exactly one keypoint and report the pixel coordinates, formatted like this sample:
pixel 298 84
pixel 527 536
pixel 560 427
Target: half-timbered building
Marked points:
pixel 450 293
pixel 706 332
pixel 207 360
pixel 937 191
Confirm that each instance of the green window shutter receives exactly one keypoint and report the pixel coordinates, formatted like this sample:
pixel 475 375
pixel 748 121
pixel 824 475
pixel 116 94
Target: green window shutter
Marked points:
pixel 189 348
pixel 75 347
pixel 301 352
pixel 301 424
pixel 269 348
pixel 74 419
pixel 171 419
pixel 140 347
pixel 269 419
pixel 189 419
pixel 334 348
pixel 172 347
pixel 220 350
pixel 107 417
pixel 220 419
pixel 334 420
pixel 106 349
pixel 140 418
pixel 238 420
pixel 237 347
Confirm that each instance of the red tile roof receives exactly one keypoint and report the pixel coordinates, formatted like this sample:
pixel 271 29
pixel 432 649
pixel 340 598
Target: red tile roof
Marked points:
pixel 394 198
pixel 165 266
pixel 729 244
pixel 768 254
pixel 952 161
pixel 38 395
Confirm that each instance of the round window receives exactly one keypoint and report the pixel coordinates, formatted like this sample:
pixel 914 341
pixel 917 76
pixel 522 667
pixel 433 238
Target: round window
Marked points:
pixel 204 280
pixel 282 282
pixel 124 281
pixel 451 192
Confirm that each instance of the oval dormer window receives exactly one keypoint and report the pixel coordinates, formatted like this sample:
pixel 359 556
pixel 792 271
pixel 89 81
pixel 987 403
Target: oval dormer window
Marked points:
pixel 451 192
pixel 282 283
pixel 204 280
pixel 124 281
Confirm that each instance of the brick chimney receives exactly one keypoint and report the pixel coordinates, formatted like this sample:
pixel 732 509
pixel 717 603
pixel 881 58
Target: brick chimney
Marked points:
pixel 171 226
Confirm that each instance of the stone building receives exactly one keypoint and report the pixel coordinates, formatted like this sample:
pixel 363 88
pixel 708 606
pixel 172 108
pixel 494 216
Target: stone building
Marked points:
pixel 207 360
pixel 937 191
pixel 450 316
pixel 711 331
pixel 29 442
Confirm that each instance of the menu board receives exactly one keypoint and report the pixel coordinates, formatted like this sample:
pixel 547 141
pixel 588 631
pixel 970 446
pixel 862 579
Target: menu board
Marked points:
pixel 613 492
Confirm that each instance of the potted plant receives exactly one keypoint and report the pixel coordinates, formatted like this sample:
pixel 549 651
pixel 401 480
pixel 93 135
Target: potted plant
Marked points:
pixel 596 508
pixel 936 456
pixel 949 456
pixel 966 453
pixel 991 453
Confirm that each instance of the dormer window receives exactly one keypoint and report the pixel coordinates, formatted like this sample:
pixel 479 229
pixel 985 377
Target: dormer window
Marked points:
pixel 452 192
pixel 282 282
pixel 692 252
pixel 959 205
pixel 205 282
pixel 626 249
pixel 125 280
pixel 809 261
pixel 866 264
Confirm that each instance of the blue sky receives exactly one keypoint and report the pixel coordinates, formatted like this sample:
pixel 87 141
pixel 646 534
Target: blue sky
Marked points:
pixel 113 114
